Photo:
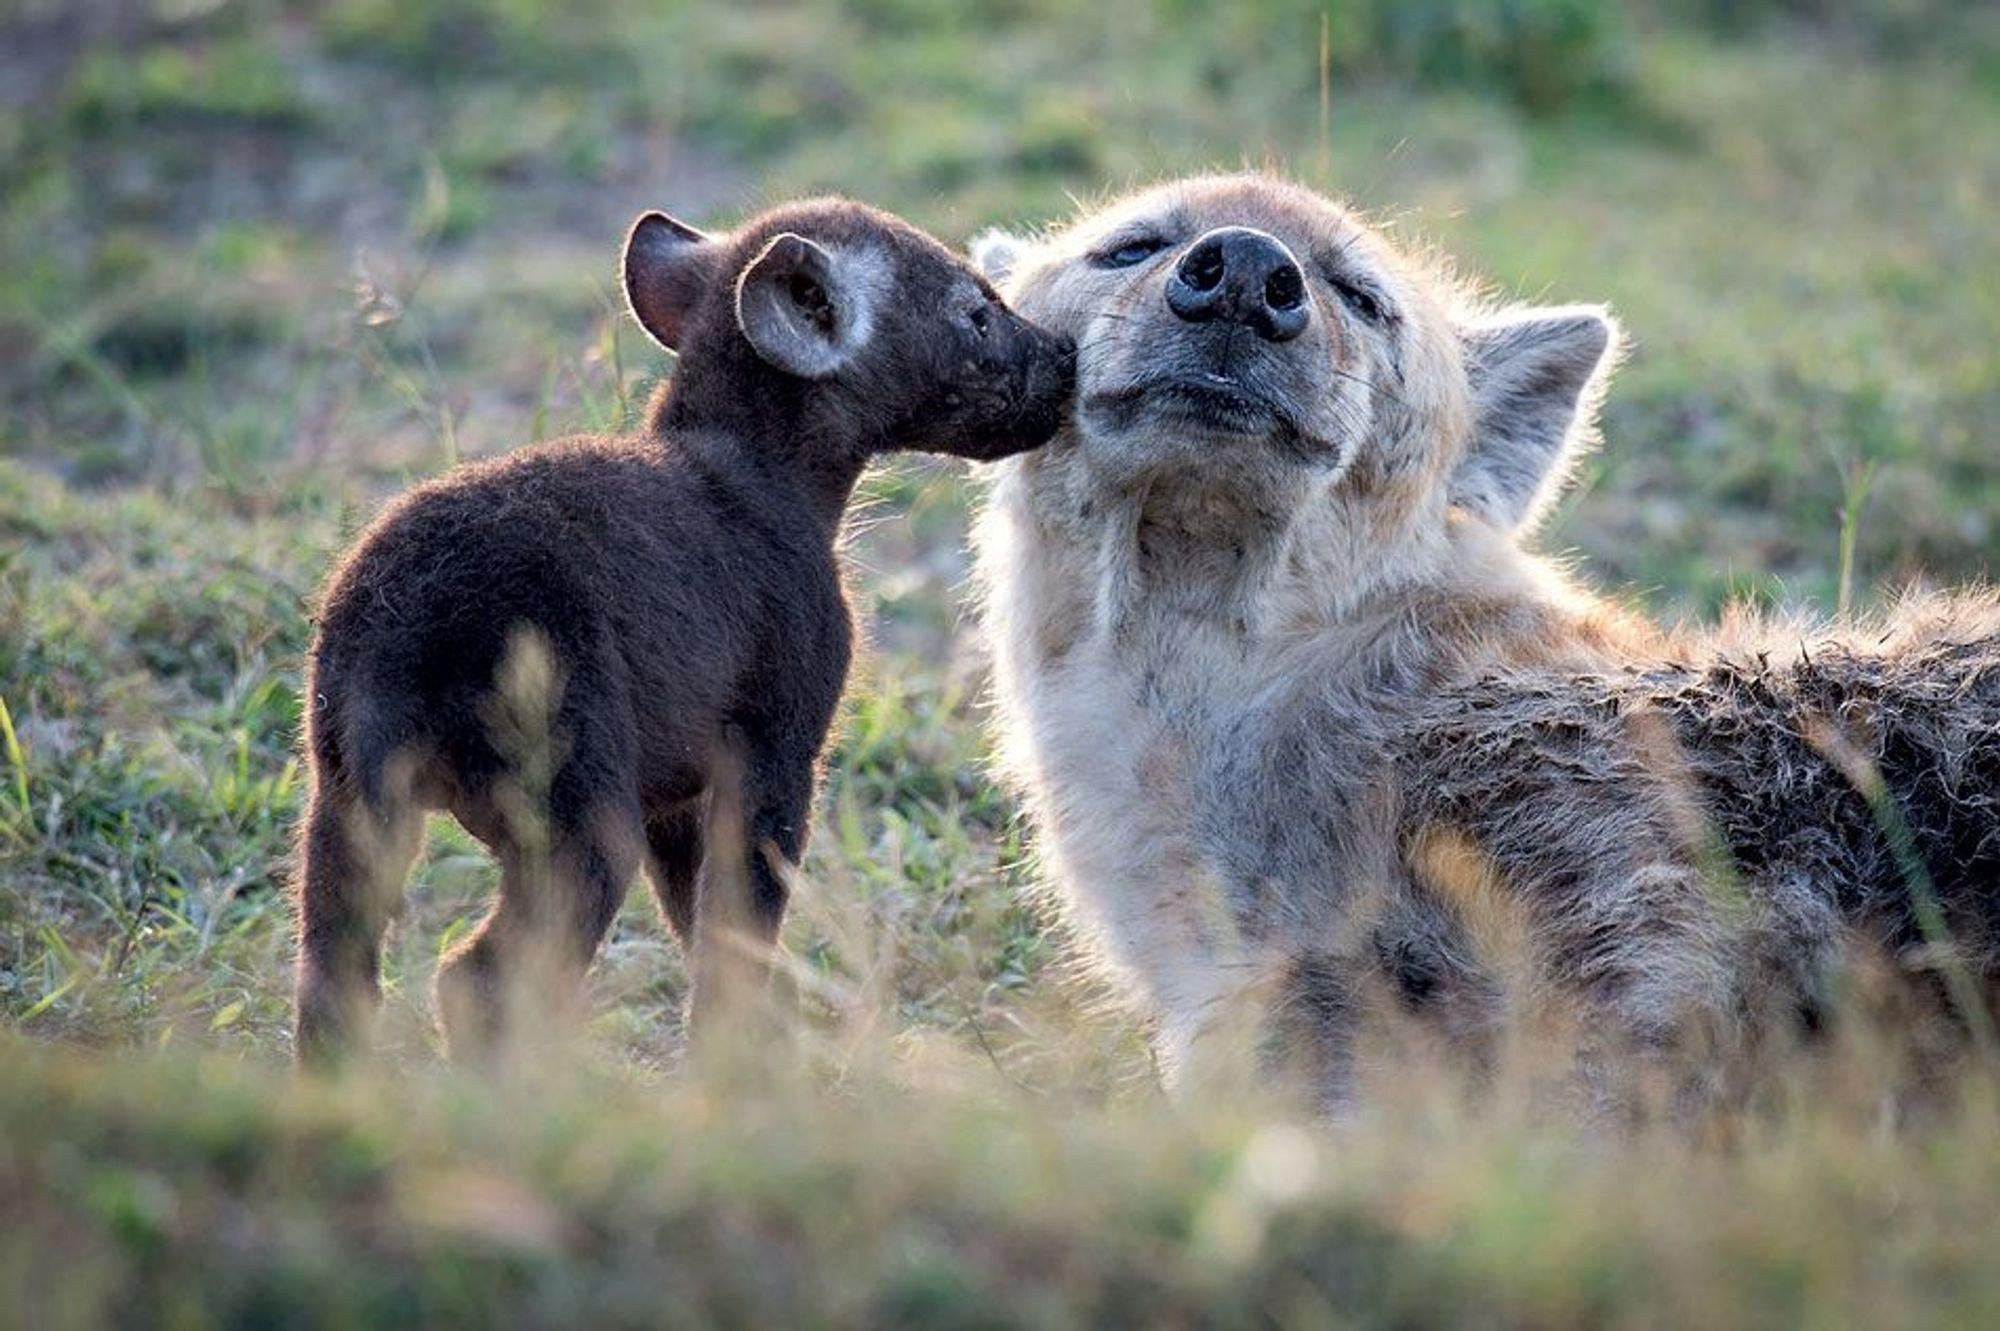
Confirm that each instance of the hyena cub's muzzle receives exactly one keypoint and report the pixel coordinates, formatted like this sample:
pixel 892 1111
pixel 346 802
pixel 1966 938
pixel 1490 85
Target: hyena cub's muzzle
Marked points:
pixel 1044 379
pixel 1011 390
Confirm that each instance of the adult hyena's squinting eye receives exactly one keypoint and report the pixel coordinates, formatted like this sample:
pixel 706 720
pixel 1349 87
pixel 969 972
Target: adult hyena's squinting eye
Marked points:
pixel 1360 295
pixel 1128 253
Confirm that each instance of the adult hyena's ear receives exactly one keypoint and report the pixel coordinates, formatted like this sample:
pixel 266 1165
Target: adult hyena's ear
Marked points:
pixel 997 254
pixel 808 310
pixel 1537 376
pixel 668 267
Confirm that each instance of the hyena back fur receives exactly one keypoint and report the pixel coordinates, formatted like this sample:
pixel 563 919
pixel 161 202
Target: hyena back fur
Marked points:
pixel 1300 720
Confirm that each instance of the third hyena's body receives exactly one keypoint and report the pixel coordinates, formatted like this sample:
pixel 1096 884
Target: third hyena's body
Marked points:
pixel 1297 717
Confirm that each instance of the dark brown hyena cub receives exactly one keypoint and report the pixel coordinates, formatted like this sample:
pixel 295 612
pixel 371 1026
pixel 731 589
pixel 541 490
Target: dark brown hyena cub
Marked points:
pixel 681 587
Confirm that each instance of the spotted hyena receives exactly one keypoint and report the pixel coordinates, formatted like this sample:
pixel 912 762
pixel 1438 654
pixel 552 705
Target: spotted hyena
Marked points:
pixel 1301 721
pixel 684 594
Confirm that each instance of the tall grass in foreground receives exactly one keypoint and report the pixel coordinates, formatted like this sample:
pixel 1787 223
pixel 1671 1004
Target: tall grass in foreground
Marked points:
pixel 855 1175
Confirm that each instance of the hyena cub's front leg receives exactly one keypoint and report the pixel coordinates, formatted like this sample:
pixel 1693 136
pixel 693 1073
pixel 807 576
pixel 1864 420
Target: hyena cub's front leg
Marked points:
pixel 759 817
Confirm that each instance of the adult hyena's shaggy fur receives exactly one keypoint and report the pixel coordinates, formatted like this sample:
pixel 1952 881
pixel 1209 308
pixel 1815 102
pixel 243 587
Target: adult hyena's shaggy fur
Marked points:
pixel 1300 720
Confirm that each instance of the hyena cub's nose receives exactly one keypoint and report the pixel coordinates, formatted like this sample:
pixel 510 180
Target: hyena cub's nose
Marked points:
pixel 1244 277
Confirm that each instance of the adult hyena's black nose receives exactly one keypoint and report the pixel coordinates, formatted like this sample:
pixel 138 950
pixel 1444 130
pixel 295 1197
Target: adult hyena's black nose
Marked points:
pixel 1242 276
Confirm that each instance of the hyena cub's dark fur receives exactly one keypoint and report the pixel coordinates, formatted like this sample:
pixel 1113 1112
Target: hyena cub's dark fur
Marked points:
pixel 681 585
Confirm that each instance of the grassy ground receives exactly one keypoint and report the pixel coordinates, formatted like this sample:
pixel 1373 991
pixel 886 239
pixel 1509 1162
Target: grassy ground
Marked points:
pixel 263 261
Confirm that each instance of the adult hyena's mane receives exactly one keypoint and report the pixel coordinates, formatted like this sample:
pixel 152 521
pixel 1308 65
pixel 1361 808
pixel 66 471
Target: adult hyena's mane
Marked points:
pixel 1833 777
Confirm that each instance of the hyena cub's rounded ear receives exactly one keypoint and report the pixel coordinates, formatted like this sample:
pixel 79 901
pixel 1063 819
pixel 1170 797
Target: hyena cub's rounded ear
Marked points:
pixel 668 267
pixel 997 254
pixel 1537 376
pixel 807 310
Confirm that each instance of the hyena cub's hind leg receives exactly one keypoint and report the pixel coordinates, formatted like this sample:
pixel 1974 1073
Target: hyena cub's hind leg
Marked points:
pixel 675 838
pixel 566 858
pixel 354 853
pixel 528 957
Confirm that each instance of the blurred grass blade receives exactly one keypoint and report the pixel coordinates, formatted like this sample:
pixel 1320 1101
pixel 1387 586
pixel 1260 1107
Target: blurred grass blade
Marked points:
pixel 51 998
pixel 17 762
pixel 1856 498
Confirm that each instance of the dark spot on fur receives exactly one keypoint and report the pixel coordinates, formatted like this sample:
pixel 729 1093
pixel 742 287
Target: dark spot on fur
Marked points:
pixel 1416 970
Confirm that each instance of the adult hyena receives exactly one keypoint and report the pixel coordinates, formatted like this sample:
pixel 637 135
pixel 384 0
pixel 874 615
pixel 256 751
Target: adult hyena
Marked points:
pixel 1298 717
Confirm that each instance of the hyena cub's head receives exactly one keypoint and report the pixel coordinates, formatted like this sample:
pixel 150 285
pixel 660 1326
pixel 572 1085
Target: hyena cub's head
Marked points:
pixel 1239 334
pixel 850 328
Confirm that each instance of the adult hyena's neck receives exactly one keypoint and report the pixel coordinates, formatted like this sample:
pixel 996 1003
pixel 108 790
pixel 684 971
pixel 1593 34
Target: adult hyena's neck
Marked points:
pixel 1177 565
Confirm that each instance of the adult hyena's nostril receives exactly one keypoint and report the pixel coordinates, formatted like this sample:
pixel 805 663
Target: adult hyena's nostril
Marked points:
pixel 1204 266
pixel 1241 276
pixel 1195 289
pixel 1285 289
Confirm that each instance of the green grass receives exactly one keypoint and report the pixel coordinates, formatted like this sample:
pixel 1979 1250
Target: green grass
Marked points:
pixel 211 1191
pixel 264 261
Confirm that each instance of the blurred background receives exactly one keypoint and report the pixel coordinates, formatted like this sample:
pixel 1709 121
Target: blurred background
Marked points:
pixel 263 262
pixel 252 244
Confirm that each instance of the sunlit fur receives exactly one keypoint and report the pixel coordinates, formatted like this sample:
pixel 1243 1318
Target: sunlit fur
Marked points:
pixel 1303 728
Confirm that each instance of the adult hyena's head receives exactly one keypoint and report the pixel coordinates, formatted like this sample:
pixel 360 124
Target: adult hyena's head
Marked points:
pixel 1246 339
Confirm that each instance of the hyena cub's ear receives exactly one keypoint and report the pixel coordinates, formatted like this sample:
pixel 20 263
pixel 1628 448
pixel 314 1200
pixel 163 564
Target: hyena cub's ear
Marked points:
pixel 1536 377
pixel 997 254
pixel 668 267
pixel 806 310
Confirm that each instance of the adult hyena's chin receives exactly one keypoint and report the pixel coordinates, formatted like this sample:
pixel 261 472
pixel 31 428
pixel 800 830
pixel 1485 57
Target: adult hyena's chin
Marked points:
pixel 1182 405
pixel 1162 443
pixel 1164 400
